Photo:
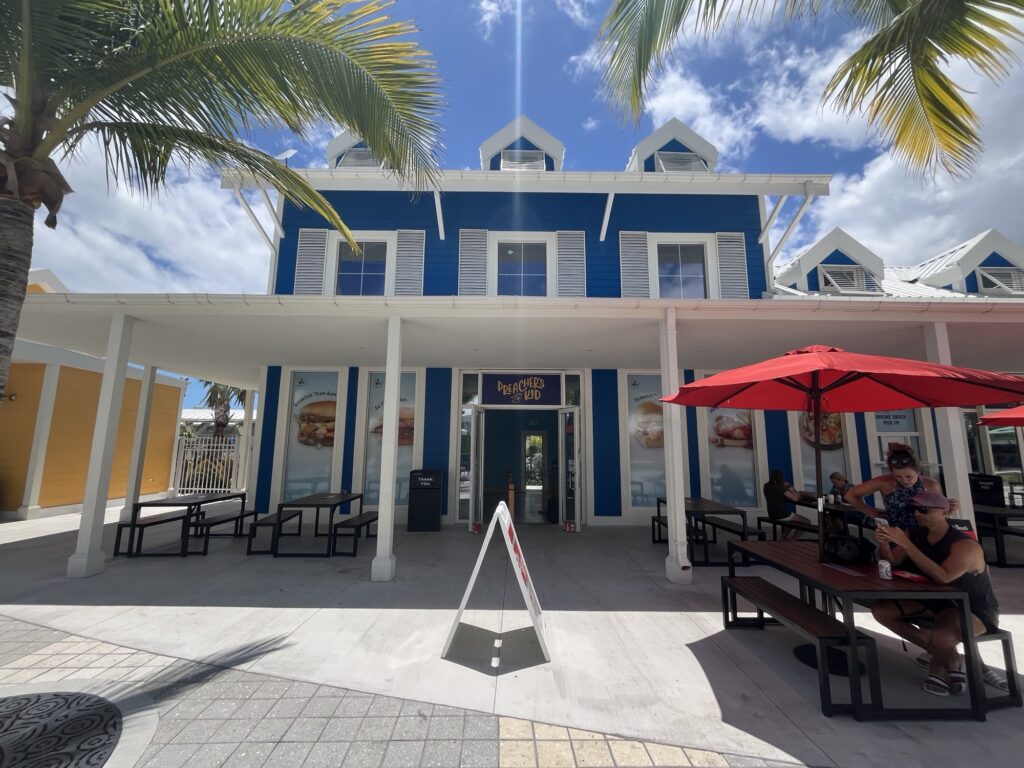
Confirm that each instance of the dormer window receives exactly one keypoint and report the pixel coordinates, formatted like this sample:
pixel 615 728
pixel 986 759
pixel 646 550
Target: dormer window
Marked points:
pixel 679 162
pixel 522 160
pixel 358 157
pixel 848 280
pixel 1001 281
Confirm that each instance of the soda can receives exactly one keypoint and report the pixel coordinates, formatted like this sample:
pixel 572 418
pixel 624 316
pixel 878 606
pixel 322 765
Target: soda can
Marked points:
pixel 885 570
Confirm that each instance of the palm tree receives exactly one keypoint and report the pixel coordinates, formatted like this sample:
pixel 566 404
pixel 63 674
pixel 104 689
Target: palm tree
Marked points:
pixel 162 81
pixel 897 77
pixel 220 398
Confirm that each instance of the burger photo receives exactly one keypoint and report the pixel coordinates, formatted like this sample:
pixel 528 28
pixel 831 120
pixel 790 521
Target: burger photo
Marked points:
pixel 316 423
pixel 648 424
pixel 406 424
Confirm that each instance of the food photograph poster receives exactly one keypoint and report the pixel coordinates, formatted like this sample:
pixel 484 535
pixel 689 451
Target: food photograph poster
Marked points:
pixel 311 433
pixel 646 439
pixel 731 456
pixel 833 454
pixel 406 436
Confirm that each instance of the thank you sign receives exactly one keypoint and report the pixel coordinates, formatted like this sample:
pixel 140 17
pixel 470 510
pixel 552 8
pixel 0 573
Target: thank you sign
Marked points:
pixel 503 521
pixel 522 389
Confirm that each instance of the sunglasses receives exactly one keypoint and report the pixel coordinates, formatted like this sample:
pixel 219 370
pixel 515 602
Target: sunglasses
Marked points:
pixel 925 510
pixel 901 461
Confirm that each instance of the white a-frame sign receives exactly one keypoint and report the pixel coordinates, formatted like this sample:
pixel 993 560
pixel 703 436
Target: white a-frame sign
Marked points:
pixel 503 519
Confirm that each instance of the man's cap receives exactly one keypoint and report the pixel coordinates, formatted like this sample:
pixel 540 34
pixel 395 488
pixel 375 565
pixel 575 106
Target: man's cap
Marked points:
pixel 932 500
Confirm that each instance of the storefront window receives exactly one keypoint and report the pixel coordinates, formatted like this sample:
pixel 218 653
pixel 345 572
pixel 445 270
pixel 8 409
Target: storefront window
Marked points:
pixel 310 442
pixel 897 428
pixel 1006 456
pixel 646 439
pixel 833 449
pixel 731 464
pixel 572 389
pixel 406 436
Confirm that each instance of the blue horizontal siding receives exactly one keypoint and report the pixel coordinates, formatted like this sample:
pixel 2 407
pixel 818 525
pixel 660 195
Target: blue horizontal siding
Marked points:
pixel 548 212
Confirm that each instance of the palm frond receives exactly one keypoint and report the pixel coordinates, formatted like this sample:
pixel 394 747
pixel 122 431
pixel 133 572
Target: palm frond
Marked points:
pixel 899 78
pixel 140 155
pixel 222 67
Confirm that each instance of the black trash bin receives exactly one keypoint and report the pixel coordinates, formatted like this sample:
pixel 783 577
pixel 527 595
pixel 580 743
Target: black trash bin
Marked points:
pixel 426 499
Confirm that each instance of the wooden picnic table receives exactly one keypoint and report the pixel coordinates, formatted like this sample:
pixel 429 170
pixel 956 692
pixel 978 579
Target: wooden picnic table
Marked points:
pixel 998 520
pixel 841 510
pixel 848 585
pixel 192 507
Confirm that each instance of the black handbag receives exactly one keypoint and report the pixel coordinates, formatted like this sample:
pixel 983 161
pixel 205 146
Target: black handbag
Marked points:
pixel 849 550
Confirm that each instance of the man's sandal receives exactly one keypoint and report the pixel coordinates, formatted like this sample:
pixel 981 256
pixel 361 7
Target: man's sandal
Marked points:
pixel 936 685
pixel 995 678
pixel 958 679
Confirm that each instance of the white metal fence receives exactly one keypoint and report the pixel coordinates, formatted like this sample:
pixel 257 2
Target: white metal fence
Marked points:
pixel 207 464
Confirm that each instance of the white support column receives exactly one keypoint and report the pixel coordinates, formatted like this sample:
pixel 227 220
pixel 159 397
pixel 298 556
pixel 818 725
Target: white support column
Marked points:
pixel 131 495
pixel 40 440
pixel 244 441
pixel 89 558
pixel 383 566
pixel 956 463
pixel 677 564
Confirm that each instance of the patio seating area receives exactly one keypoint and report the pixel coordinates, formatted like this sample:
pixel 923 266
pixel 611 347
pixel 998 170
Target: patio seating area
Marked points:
pixel 617 631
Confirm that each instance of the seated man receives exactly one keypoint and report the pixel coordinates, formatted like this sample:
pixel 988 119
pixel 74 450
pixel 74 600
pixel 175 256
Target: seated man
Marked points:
pixel 946 556
pixel 777 492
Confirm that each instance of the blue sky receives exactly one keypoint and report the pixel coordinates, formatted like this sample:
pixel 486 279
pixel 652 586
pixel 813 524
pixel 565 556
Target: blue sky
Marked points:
pixel 753 92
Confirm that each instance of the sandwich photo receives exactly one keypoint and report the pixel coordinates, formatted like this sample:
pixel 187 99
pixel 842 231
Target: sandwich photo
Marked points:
pixel 316 423
pixel 406 424
pixel 648 424
pixel 732 429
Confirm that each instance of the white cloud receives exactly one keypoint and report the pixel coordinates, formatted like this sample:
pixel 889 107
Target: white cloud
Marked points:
pixel 491 12
pixel 906 220
pixel 591 124
pixel 579 11
pixel 788 96
pixel 590 61
pixel 194 237
pixel 679 94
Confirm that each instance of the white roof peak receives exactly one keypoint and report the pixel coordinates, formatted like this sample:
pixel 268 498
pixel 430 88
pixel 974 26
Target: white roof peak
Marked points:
pixel 836 240
pixel 673 128
pixel 522 127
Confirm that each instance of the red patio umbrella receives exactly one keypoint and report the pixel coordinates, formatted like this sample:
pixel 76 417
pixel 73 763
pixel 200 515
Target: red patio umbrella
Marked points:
pixel 1012 417
pixel 821 380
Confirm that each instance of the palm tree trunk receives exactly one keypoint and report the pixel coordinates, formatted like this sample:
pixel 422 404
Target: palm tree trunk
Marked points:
pixel 16 221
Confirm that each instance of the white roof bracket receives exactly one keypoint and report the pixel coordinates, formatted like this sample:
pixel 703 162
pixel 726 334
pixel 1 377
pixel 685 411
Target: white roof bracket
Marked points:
pixel 808 199
pixel 278 225
pixel 772 217
pixel 255 221
pixel 440 215
pixel 607 215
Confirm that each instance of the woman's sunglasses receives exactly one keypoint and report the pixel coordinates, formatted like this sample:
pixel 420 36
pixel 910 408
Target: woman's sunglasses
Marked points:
pixel 901 461
pixel 924 510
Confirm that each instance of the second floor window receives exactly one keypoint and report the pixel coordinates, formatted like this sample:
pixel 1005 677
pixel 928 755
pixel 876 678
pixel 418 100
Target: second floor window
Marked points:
pixel 522 269
pixel 681 271
pixel 362 274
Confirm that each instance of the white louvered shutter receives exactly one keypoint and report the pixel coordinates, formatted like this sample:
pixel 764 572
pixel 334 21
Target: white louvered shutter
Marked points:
pixel 634 270
pixel 409 262
pixel 572 264
pixel 472 262
pixel 732 266
pixel 309 262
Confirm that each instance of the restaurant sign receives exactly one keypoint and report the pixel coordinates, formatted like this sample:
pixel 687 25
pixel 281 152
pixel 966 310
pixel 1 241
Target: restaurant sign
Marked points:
pixel 522 389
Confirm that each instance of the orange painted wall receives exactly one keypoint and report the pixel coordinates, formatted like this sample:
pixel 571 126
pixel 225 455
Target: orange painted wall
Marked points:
pixel 74 417
pixel 17 423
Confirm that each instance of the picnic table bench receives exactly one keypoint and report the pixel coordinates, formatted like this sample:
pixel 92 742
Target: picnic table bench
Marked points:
pixel 355 525
pixel 703 515
pixel 190 510
pixel 996 521
pixel 274 521
pixel 794 525
pixel 822 630
pixel 204 527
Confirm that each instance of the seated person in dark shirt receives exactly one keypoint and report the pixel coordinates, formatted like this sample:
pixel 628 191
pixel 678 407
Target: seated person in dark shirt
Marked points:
pixel 777 494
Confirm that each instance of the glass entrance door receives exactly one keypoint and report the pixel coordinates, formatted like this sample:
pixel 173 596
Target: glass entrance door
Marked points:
pixel 568 468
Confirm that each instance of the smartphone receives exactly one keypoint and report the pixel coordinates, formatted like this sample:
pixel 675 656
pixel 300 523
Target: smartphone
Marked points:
pixel 881 522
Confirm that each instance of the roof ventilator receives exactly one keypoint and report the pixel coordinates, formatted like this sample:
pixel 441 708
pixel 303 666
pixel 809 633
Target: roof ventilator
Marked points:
pixel 358 157
pixel 522 160
pixel 848 281
pixel 1002 280
pixel 679 162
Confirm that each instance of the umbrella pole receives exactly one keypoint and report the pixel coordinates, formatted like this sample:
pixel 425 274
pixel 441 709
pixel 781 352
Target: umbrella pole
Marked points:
pixel 816 416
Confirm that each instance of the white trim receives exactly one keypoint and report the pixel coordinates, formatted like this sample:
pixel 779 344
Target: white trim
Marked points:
pixel 522 127
pixel 766 226
pixel 334 239
pixel 672 129
pixel 26 351
pixel 607 215
pixel 41 437
pixel 47 280
pixel 593 182
pixel 710 243
pixel 440 215
pixel 257 439
pixel 550 240
pixel 455 446
pixel 836 240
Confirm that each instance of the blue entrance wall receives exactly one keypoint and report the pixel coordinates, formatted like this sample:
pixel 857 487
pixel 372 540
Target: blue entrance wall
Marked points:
pixel 604 389
pixel 265 467
pixel 531 212
pixel 349 444
pixel 437 423
pixel 776 427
